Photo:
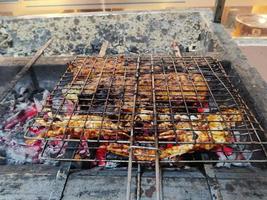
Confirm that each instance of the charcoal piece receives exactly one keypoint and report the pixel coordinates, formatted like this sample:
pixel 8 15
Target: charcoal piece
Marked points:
pixel 84 101
pixel 111 156
pixel 133 49
pixel 101 93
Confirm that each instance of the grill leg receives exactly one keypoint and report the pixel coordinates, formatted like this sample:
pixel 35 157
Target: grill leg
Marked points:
pixel 158 179
pixel 161 186
pixel 60 182
pixel 63 174
pixel 138 190
pixel 129 176
pixel 212 182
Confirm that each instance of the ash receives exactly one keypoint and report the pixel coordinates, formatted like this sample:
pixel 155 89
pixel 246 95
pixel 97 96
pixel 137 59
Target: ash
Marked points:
pixel 17 111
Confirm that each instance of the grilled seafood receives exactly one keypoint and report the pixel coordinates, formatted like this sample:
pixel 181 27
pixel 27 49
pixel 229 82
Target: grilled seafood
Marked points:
pixel 140 154
pixel 181 86
pixel 176 150
pixel 119 149
pixel 82 69
pixel 144 103
pixel 91 127
pixel 205 133
pixel 212 125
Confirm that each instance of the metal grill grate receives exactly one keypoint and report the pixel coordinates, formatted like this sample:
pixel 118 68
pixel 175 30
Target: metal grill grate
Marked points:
pixel 146 109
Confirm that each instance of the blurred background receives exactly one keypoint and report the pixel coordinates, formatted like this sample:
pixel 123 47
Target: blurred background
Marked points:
pixel 241 17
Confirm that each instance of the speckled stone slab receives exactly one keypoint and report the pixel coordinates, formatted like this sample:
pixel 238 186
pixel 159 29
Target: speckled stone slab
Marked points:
pixel 134 32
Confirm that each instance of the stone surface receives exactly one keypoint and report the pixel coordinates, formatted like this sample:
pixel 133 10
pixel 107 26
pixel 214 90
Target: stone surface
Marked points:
pixel 5 40
pixel 26 182
pixel 136 32
pixel 35 182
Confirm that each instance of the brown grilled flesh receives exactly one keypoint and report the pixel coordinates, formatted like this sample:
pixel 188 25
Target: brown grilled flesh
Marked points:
pixel 90 127
pixel 175 86
pixel 181 86
pixel 87 77
pixel 82 68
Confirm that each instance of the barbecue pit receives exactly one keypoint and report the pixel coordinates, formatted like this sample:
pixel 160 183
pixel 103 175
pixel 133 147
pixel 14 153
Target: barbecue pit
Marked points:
pixel 153 71
pixel 148 110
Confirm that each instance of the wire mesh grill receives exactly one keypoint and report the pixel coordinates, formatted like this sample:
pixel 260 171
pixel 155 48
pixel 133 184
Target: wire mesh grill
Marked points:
pixel 148 107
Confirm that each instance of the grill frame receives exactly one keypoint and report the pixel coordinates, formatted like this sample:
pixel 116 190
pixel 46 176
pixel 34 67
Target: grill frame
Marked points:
pixel 251 120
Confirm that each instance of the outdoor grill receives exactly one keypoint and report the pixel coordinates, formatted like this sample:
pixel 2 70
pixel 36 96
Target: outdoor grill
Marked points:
pixel 167 108
pixel 147 109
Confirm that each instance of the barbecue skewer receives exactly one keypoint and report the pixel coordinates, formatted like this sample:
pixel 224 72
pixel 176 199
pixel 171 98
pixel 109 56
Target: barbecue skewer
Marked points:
pixel 176 49
pixel 103 49
pixel 25 69
pixel 138 191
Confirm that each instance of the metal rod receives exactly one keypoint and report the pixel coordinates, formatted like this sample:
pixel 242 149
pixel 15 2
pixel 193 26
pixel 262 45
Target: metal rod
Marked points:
pixel 212 181
pixel 24 70
pixel 183 96
pixel 129 176
pixel 103 49
pixel 62 175
pixel 107 96
pixel 138 191
pixel 169 99
pixel 162 161
pixel 161 185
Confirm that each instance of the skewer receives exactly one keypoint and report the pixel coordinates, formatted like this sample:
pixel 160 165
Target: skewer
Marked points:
pixel 25 69
pixel 103 49
pixel 176 49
